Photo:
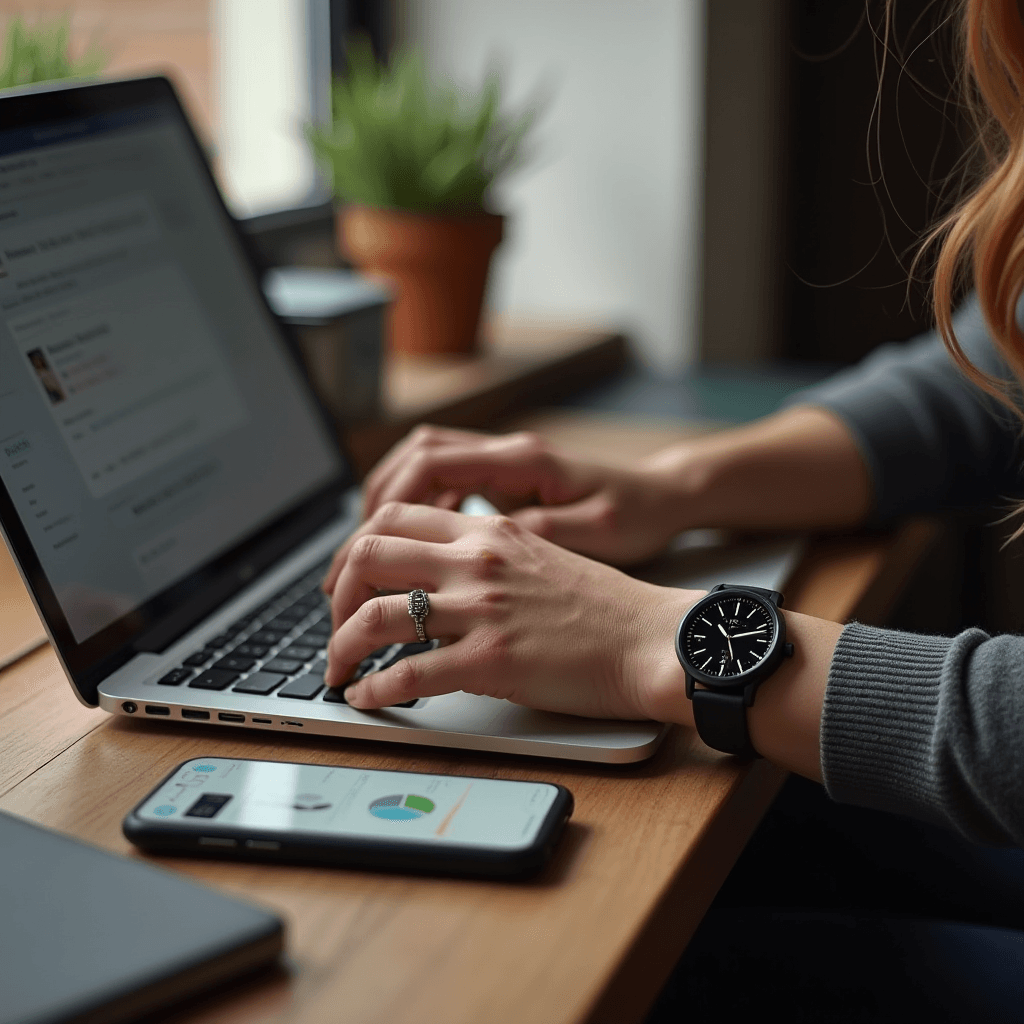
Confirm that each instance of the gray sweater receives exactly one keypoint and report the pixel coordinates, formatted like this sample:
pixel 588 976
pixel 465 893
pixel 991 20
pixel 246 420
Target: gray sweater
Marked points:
pixel 925 726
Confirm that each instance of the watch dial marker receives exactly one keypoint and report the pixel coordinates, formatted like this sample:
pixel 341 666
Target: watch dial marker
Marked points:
pixel 736 643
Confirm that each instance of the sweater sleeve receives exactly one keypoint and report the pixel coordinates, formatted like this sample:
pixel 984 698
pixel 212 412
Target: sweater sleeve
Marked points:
pixel 929 727
pixel 930 438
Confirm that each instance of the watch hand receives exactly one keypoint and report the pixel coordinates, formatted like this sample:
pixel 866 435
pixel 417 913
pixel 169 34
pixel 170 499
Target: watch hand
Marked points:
pixel 729 642
pixel 723 632
pixel 753 632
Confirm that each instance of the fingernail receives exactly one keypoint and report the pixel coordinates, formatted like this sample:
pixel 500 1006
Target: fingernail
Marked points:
pixel 354 695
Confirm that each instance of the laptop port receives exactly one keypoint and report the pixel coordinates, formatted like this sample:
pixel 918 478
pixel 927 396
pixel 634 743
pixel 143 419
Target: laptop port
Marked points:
pixel 262 721
pixel 190 713
pixel 298 725
pixel 156 709
pixel 230 716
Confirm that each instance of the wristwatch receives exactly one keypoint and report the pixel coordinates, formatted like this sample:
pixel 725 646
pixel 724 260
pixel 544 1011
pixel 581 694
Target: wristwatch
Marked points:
pixel 729 643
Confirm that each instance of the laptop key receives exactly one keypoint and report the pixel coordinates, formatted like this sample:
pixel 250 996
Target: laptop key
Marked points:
pixel 299 652
pixel 213 679
pixel 287 619
pixel 270 637
pixel 251 651
pixel 199 659
pixel 259 682
pixel 175 677
pixel 219 641
pixel 336 695
pixel 285 665
pixel 302 688
pixel 233 664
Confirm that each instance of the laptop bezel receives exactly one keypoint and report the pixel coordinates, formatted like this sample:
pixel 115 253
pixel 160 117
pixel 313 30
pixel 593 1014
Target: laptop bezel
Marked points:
pixel 158 621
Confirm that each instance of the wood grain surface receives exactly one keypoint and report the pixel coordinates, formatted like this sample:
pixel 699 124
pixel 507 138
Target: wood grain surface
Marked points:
pixel 591 939
pixel 20 628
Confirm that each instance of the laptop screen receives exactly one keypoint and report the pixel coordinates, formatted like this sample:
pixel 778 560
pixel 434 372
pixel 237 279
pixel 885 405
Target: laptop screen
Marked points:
pixel 150 416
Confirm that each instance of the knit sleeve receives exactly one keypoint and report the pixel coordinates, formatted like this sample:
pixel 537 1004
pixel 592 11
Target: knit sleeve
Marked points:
pixel 930 727
pixel 930 438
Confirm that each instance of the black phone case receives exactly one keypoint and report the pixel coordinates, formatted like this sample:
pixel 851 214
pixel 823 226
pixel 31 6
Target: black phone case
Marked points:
pixel 350 851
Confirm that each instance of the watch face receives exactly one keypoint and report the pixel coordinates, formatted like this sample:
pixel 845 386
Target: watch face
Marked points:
pixel 729 635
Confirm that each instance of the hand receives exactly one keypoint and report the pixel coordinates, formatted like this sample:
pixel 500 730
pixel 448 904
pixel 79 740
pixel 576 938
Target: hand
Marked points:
pixel 519 618
pixel 618 515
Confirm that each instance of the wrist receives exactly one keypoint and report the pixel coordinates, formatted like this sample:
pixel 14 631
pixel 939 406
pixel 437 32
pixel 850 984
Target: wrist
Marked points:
pixel 651 669
pixel 682 477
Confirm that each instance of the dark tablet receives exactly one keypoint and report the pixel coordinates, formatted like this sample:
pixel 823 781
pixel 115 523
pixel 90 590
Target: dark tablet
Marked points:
pixel 86 936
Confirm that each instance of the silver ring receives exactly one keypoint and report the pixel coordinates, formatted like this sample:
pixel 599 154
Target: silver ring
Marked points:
pixel 419 609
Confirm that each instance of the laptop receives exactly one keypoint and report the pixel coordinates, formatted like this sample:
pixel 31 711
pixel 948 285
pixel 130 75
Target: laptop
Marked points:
pixel 89 937
pixel 169 486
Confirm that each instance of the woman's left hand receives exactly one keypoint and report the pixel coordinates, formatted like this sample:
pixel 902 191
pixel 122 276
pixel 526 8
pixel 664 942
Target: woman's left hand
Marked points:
pixel 519 618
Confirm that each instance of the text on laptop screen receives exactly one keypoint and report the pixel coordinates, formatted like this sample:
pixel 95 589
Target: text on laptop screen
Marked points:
pixel 149 415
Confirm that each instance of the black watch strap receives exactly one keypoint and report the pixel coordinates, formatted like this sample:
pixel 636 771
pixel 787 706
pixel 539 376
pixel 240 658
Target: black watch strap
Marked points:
pixel 721 720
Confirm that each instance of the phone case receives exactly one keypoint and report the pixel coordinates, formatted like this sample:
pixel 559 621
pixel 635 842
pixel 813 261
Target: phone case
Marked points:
pixel 285 846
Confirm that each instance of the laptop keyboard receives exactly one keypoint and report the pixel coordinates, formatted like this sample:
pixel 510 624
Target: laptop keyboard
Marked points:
pixel 280 650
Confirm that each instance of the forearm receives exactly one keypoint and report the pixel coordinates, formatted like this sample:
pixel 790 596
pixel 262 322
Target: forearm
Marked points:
pixel 799 469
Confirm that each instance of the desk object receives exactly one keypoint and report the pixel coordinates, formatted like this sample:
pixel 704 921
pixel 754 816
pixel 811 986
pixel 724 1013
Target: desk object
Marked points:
pixel 338 320
pixel 89 937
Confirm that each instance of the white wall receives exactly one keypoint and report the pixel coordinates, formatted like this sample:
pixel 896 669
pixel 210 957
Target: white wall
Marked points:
pixel 606 223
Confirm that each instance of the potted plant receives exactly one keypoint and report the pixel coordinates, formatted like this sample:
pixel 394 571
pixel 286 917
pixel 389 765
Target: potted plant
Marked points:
pixel 40 53
pixel 412 167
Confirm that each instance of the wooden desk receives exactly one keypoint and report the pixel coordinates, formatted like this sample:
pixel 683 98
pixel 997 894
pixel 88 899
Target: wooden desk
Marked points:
pixel 592 939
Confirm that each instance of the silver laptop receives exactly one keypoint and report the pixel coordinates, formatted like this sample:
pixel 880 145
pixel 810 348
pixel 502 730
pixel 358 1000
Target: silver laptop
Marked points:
pixel 170 488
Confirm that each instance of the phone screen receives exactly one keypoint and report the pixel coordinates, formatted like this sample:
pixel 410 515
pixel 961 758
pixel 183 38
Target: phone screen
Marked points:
pixel 317 799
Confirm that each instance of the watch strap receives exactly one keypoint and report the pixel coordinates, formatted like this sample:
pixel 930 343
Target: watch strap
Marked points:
pixel 721 720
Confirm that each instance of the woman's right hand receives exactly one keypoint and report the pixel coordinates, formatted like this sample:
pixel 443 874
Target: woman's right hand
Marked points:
pixel 620 516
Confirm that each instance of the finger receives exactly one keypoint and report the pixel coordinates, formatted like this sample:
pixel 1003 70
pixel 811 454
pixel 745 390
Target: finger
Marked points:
pixel 417 522
pixel 378 563
pixel 580 526
pixel 516 464
pixel 442 670
pixel 424 436
pixel 386 620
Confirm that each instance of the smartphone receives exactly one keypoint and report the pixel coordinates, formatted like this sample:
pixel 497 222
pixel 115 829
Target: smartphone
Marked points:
pixel 352 817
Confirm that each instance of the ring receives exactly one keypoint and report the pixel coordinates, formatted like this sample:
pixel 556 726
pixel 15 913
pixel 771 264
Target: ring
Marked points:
pixel 419 609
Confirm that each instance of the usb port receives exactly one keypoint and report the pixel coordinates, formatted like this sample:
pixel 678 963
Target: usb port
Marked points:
pixel 230 716
pixel 298 725
pixel 155 709
pixel 190 713
pixel 216 841
pixel 263 721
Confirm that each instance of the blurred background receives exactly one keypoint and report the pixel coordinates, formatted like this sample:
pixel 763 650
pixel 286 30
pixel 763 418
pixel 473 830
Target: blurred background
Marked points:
pixel 716 177
pixel 739 185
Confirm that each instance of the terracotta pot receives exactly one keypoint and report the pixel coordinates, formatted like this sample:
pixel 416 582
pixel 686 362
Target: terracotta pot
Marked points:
pixel 437 264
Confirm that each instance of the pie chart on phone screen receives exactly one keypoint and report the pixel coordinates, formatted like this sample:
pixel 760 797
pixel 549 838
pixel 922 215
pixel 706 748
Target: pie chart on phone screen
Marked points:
pixel 401 807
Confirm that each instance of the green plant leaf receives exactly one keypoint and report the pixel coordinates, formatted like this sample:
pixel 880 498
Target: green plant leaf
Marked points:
pixel 40 53
pixel 397 139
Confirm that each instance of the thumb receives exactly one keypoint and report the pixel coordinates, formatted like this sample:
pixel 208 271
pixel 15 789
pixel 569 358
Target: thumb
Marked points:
pixel 584 526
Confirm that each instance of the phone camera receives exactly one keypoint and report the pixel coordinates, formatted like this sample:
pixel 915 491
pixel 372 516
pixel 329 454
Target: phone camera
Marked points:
pixel 129 707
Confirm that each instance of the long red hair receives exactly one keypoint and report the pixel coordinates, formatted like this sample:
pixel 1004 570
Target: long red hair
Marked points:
pixel 984 235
